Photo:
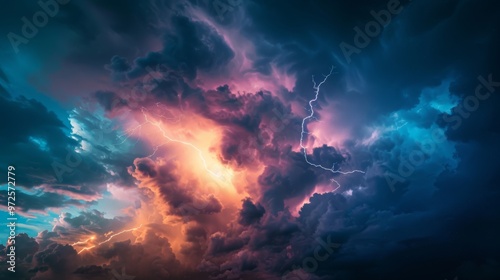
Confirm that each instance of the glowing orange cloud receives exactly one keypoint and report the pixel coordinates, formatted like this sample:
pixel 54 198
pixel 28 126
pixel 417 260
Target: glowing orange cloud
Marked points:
pixel 158 125
pixel 191 146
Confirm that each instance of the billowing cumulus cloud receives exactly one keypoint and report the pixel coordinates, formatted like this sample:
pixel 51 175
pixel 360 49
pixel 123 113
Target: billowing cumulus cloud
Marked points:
pixel 171 140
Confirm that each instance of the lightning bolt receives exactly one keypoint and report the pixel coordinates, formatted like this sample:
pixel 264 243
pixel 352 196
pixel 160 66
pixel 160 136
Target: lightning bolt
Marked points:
pixel 109 239
pixel 317 88
pixel 83 242
pixel 156 149
pixel 130 131
pixel 157 124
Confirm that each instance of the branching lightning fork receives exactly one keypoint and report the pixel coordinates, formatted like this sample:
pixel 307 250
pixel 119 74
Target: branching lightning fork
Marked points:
pixel 157 124
pixel 105 241
pixel 83 242
pixel 317 87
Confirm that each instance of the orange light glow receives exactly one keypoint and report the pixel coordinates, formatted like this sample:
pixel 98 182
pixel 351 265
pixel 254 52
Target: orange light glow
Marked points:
pixel 109 238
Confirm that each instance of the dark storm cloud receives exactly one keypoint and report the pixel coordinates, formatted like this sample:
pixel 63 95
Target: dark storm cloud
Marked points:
pixel 188 47
pixel 33 119
pixel 55 260
pixel 326 156
pixel 467 125
pixel 118 64
pixel 46 257
pixel 37 145
pixel 386 64
pixel 26 247
pixel 40 147
pixel 373 222
pixel 91 222
pixel 196 237
pixel 41 201
pixel 109 100
pixel 221 244
pixel 179 198
pixel 250 212
pixel 294 179
pixel 95 272
pixel 94 21
pixel 151 259
pixel 409 226
pixel 445 27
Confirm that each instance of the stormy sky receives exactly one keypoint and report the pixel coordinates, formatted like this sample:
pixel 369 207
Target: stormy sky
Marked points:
pixel 231 139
